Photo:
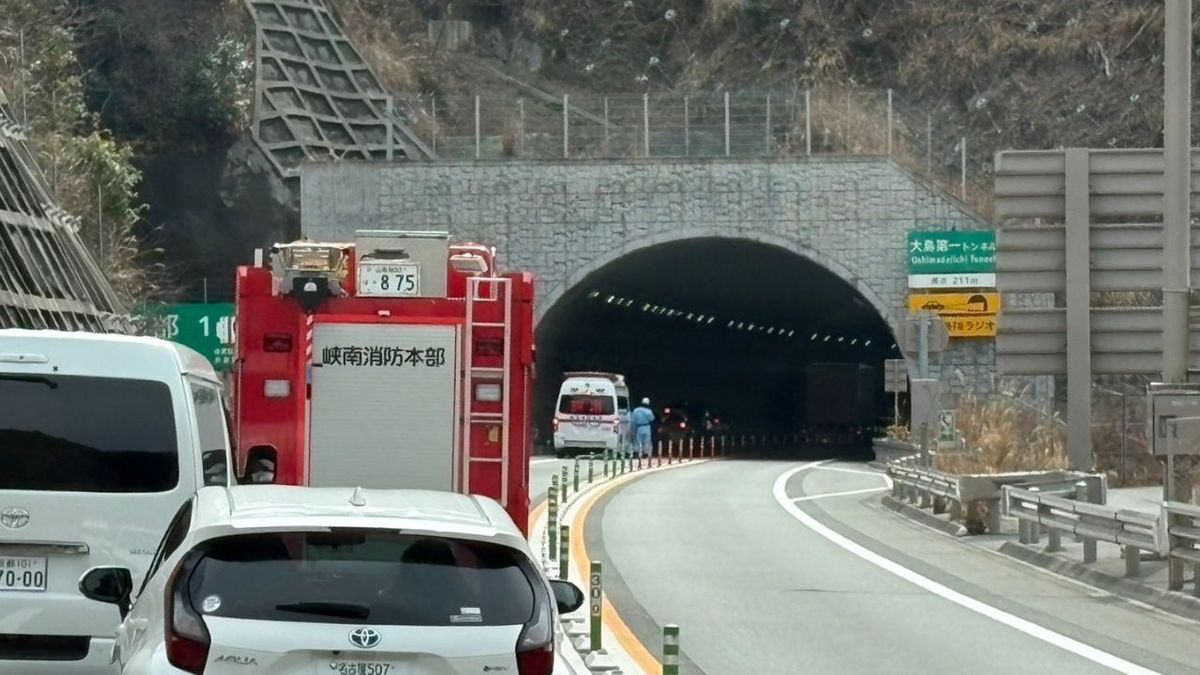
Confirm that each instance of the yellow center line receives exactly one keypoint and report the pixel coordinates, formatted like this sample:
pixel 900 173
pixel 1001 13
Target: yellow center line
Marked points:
pixel 629 642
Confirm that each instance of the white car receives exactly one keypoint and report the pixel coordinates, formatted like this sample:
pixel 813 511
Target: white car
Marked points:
pixel 346 581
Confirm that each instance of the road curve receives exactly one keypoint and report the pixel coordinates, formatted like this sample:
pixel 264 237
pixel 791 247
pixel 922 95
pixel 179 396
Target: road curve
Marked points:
pixel 848 586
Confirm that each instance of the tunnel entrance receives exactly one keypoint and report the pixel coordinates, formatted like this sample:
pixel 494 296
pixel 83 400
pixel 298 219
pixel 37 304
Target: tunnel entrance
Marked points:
pixel 730 326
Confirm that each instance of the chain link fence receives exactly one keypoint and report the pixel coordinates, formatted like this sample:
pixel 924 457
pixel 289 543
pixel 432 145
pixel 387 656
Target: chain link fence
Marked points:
pixel 738 124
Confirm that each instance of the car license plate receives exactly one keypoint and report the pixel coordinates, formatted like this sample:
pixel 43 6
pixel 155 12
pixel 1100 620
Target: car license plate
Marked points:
pixel 388 280
pixel 360 668
pixel 22 574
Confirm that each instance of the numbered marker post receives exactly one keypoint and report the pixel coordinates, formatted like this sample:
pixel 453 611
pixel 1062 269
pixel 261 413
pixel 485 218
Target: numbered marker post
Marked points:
pixel 552 515
pixel 564 552
pixel 670 662
pixel 595 604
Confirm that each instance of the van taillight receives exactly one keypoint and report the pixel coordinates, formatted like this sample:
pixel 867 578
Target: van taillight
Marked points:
pixel 277 342
pixel 187 636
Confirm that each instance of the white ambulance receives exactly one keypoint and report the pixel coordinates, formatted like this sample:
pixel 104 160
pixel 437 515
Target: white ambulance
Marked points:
pixel 592 414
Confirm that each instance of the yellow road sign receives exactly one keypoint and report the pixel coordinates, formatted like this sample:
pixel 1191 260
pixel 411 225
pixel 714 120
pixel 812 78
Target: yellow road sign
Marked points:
pixel 976 325
pixel 956 304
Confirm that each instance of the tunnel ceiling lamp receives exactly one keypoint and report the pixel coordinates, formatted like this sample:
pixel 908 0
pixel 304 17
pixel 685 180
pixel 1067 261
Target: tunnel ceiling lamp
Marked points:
pixel 645 306
pixel 854 341
pixel 594 294
pixel 609 300
pixel 827 337
pixel 791 333
pixel 867 343
pixel 711 319
pixel 841 339
pixel 814 336
pixel 689 316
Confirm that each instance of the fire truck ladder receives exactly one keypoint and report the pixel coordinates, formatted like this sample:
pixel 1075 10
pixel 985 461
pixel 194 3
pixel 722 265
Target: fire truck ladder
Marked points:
pixel 487 289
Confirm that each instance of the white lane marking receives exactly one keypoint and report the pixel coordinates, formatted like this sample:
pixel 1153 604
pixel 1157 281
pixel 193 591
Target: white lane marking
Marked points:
pixel 847 493
pixel 886 478
pixel 1028 627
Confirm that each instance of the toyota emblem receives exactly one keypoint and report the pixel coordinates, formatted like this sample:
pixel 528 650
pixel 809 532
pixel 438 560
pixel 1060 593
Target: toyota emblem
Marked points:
pixel 14 518
pixel 365 638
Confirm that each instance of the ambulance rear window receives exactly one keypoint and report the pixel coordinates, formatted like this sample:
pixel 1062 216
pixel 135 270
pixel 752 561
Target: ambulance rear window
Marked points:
pixel 586 404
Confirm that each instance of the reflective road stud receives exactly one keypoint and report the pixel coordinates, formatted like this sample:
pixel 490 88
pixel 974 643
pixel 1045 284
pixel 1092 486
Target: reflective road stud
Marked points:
pixel 552 516
pixel 595 599
pixel 564 547
pixel 670 662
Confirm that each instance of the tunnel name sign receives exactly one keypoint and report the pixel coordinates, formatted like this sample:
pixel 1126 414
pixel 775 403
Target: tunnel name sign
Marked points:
pixel 952 259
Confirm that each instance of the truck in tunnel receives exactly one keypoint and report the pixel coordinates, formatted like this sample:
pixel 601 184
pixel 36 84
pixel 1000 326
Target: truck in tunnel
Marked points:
pixel 840 404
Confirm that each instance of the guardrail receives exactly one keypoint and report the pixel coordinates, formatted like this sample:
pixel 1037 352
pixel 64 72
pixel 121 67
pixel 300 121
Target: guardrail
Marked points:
pixel 1070 511
pixel 1182 530
pixel 976 498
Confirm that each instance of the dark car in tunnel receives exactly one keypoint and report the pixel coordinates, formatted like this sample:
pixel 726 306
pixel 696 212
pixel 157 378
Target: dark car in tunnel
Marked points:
pixel 674 425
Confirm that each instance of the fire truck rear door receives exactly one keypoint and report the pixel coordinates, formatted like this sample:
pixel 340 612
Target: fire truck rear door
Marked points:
pixel 384 405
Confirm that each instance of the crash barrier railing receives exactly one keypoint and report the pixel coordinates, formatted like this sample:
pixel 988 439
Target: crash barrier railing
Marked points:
pixel 1070 508
pixel 1182 543
pixel 974 498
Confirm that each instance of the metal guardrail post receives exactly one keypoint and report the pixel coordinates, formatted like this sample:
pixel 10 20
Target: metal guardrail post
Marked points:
pixel 956 510
pixel 670 662
pixel 1054 539
pixel 1089 544
pixel 564 553
pixel 1035 530
pixel 1133 560
pixel 595 606
pixel 939 504
pixel 552 516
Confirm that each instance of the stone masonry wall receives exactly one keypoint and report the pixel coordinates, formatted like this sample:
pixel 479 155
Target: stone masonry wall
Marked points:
pixel 563 220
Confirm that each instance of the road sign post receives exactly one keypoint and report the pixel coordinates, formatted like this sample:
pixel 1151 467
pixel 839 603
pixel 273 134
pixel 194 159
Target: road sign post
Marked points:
pixel 895 382
pixel 596 606
pixel 924 414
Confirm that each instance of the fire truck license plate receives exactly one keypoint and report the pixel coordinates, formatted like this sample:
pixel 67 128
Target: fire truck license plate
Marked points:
pixel 389 280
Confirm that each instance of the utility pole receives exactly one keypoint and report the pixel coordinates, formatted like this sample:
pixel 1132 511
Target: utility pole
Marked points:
pixel 1177 143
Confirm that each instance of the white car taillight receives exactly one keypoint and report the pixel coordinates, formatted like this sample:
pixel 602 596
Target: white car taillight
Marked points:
pixel 187 636
pixel 535 646
pixel 554 424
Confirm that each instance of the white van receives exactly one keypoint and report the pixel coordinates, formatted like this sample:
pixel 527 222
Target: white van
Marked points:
pixel 592 413
pixel 102 438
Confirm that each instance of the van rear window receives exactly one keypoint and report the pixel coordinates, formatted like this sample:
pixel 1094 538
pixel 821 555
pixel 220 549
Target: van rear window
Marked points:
pixel 586 404
pixel 86 434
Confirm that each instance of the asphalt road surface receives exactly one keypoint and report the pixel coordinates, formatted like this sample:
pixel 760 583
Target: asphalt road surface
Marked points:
pixel 772 568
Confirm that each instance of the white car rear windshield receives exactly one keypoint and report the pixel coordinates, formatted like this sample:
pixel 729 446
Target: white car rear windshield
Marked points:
pixel 86 434
pixel 363 576
pixel 586 404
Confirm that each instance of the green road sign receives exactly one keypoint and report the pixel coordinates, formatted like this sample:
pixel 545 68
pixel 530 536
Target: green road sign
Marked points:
pixel 208 328
pixel 955 251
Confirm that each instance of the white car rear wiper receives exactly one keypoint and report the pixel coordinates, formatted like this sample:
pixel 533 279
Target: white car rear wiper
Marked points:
pixel 344 610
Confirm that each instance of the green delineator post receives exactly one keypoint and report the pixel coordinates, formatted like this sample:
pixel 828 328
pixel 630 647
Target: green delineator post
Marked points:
pixel 564 485
pixel 564 553
pixel 552 516
pixel 595 603
pixel 591 469
pixel 606 463
pixel 575 477
pixel 670 662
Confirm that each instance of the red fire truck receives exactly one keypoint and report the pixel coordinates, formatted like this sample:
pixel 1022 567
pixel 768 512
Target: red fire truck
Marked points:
pixel 398 361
